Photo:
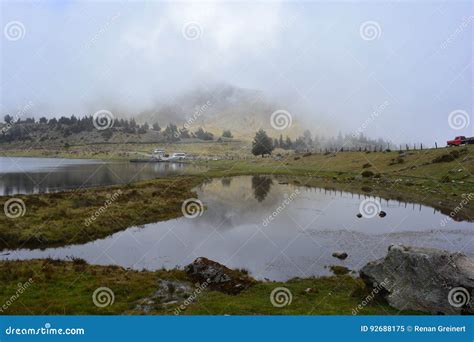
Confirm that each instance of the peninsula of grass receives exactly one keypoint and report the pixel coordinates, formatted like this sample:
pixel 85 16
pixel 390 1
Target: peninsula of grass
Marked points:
pixel 73 217
pixel 52 287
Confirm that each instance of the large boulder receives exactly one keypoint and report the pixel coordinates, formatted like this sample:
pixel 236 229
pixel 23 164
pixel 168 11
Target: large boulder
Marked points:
pixel 218 277
pixel 423 279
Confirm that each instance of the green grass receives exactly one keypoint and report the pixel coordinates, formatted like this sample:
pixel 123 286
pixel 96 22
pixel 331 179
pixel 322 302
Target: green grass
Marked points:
pixel 66 288
pixel 62 218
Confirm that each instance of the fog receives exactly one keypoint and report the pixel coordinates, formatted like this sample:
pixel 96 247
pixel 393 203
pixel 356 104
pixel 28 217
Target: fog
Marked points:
pixel 393 69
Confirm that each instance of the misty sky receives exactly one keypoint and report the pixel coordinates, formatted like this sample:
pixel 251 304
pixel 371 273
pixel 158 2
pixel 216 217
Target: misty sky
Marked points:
pixel 330 64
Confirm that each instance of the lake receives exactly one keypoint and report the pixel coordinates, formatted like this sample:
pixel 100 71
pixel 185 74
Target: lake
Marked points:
pixel 307 225
pixel 35 175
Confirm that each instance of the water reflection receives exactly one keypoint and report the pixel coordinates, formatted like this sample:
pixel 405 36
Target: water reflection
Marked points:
pixel 261 185
pixel 34 175
pixel 299 241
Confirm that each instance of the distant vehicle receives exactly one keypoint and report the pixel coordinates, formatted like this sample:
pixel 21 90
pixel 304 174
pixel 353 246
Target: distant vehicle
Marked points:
pixel 460 140
pixel 177 156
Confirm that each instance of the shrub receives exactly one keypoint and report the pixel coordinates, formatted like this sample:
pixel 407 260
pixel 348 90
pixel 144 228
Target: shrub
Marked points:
pixel 398 160
pixel 445 179
pixel 367 173
pixel 449 157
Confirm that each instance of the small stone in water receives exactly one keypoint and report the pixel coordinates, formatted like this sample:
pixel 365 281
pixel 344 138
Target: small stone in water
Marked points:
pixel 382 213
pixel 359 215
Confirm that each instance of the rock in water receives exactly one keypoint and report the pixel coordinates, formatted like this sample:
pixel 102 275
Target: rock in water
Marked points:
pixel 423 279
pixel 382 213
pixel 218 277
pixel 340 255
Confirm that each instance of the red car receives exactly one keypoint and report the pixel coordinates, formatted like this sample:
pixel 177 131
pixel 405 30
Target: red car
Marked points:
pixel 460 140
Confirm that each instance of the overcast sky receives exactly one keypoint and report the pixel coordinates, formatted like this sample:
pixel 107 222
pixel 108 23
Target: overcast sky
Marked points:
pixel 390 69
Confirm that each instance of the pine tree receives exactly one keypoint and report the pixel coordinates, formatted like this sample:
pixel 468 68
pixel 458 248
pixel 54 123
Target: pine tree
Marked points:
pixel 262 144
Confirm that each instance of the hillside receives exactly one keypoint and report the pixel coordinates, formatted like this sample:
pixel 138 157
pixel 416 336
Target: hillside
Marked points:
pixel 243 111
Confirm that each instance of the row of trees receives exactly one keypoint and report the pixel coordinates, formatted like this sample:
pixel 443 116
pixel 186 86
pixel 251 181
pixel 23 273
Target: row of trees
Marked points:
pixel 21 129
pixel 263 144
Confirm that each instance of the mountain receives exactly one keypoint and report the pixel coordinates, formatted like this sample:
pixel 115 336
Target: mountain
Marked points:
pixel 223 106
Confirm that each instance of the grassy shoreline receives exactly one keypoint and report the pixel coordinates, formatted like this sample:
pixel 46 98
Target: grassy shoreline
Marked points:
pixel 66 288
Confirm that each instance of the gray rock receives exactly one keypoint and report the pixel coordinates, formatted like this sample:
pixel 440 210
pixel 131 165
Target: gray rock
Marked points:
pixel 423 279
pixel 340 255
pixel 168 292
pixel 218 277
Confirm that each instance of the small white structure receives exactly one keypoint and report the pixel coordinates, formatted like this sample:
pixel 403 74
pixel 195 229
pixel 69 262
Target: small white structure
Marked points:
pixel 159 153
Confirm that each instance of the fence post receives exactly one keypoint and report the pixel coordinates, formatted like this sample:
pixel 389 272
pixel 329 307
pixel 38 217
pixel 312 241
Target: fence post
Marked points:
pixel 436 145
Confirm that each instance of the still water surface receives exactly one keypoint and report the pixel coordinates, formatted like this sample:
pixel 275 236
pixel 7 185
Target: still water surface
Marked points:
pixel 34 175
pixel 299 240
